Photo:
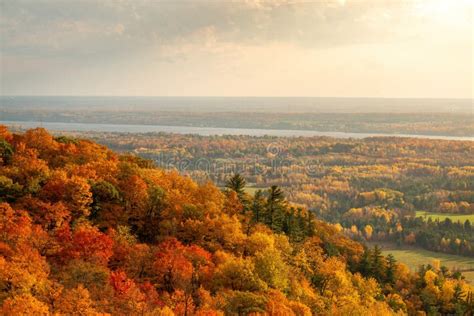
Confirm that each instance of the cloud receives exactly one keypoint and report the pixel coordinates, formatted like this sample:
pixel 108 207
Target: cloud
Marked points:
pixel 51 26
pixel 108 39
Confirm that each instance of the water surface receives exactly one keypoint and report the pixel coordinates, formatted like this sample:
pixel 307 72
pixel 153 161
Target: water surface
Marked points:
pixel 204 131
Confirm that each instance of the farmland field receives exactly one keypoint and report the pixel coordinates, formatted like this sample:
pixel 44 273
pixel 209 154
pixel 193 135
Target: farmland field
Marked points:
pixel 441 216
pixel 469 275
pixel 252 190
pixel 414 257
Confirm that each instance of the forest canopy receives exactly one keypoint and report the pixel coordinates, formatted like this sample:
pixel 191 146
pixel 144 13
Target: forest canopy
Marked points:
pixel 84 230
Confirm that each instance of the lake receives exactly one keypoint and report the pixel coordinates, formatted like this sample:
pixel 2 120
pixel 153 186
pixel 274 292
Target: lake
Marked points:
pixel 204 131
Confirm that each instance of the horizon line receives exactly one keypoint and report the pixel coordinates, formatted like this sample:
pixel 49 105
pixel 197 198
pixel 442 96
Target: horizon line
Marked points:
pixel 230 96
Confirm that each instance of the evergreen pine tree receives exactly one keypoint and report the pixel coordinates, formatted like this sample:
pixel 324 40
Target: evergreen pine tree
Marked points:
pixel 275 208
pixel 237 184
pixel 390 271
pixel 365 265
pixel 258 206
pixel 378 264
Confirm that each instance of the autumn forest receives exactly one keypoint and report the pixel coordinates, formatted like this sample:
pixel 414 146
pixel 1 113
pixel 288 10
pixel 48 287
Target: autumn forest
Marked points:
pixel 236 158
pixel 86 230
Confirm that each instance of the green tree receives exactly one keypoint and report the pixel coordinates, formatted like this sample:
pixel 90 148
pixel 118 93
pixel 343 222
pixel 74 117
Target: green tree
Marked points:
pixel 6 152
pixel 390 271
pixel 275 208
pixel 365 265
pixel 151 217
pixel 258 206
pixel 103 192
pixel 237 183
pixel 9 190
pixel 378 264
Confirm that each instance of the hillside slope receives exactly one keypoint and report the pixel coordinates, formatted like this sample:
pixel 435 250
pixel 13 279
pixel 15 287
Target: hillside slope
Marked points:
pixel 86 231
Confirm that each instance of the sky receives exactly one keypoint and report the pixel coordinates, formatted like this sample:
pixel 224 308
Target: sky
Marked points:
pixel 340 48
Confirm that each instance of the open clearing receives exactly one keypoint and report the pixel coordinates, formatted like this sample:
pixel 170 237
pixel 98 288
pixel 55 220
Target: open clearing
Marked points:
pixel 441 216
pixel 414 257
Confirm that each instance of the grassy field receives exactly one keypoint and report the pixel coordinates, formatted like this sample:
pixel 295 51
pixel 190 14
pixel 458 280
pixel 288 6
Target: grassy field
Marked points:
pixel 252 190
pixel 414 257
pixel 469 275
pixel 441 217
pixel 249 190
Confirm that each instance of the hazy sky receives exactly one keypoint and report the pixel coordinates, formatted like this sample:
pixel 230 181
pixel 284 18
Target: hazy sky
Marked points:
pixel 253 47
